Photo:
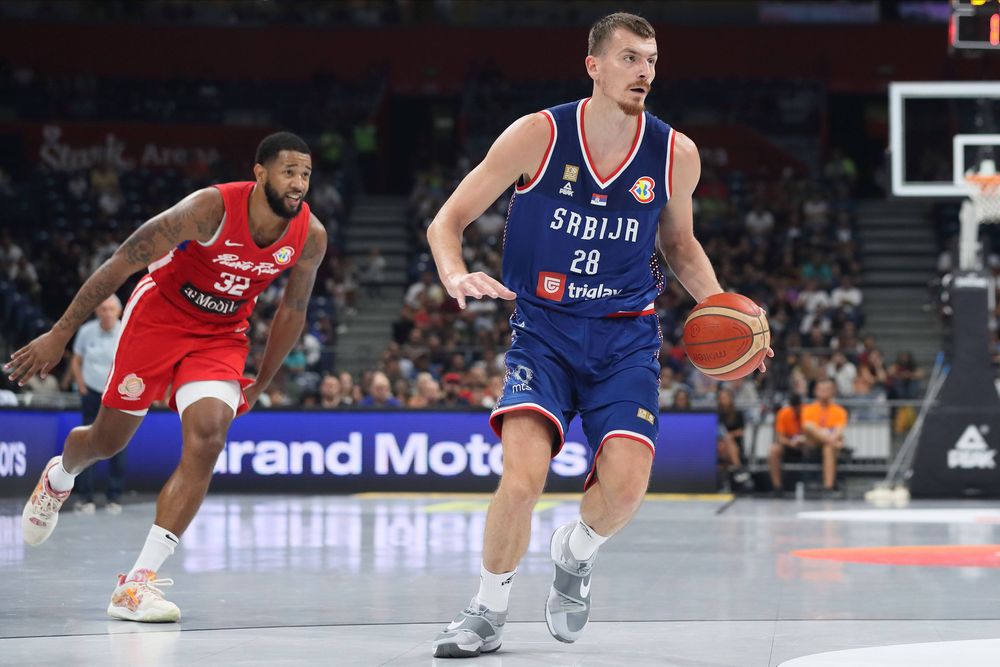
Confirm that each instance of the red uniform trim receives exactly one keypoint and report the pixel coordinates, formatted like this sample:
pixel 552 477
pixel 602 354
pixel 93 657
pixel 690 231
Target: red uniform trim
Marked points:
pixel 592 476
pixel 495 425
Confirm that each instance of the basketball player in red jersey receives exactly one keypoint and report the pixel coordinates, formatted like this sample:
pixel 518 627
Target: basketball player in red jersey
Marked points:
pixel 576 348
pixel 184 327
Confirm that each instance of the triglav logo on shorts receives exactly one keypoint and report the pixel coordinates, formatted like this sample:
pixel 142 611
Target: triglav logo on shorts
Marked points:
pixel 551 286
pixel 642 190
pixel 284 255
pixel 131 387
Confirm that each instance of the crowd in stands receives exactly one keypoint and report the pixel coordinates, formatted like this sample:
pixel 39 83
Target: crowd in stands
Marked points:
pixel 788 240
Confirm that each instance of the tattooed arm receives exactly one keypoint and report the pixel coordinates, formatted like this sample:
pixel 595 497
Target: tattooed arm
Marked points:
pixel 196 217
pixel 291 316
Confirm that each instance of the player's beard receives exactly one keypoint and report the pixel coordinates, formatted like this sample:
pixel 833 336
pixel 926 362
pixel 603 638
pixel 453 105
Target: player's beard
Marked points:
pixel 631 108
pixel 278 205
pixel 634 108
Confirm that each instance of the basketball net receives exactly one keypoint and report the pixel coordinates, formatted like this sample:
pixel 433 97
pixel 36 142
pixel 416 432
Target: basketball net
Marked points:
pixel 982 208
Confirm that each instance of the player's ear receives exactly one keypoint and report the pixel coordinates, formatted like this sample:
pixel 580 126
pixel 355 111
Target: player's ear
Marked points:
pixel 591 63
pixel 259 172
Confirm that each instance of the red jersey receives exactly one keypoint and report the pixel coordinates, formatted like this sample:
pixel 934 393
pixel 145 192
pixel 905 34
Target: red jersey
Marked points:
pixel 218 282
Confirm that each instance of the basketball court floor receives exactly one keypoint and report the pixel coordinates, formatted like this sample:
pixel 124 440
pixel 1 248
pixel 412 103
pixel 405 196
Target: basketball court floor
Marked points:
pixel 369 580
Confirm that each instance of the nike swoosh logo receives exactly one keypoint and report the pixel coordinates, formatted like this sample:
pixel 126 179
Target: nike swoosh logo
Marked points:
pixel 233 245
pixel 585 588
pixel 454 625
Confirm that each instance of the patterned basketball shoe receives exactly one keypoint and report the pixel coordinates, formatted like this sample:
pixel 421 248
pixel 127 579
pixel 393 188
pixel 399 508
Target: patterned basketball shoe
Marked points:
pixel 41 512
pixel 139 598
pixel 474 631
pixel 568 606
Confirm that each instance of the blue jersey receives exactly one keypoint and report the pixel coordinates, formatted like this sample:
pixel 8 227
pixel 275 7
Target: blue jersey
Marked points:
pixel 583 243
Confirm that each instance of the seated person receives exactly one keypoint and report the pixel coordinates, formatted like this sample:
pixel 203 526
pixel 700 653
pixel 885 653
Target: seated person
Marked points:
pixel 787 436
pixel 823 423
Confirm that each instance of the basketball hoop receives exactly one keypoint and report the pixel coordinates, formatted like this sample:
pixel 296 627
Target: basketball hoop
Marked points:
pixel 984 191
pixel 982 208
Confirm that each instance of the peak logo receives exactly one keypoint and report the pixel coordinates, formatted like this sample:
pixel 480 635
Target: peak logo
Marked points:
pixel 551 286
pixel 971 450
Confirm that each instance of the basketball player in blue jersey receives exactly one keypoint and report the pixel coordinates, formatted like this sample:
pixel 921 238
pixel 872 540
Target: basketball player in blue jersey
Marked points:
pixel 598 183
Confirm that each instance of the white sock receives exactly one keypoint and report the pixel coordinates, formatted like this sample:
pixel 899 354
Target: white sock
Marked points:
pixel 494 589
pixel 59 479
pixel 584 540
pixel 160 544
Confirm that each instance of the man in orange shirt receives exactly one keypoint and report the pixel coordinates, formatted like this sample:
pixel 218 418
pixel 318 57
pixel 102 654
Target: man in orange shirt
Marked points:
pixel 822 425
pixel 787 433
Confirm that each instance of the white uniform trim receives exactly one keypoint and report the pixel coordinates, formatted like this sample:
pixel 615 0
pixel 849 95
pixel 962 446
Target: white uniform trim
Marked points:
pixel 227 391
pixel 216 235
pixel 548 156
pixel 583 148
pixel 631 435
pixel 531 406
pixel 667 176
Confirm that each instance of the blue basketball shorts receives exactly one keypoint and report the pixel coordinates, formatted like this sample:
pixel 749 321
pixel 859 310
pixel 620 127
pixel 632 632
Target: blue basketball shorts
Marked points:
pixel 605 369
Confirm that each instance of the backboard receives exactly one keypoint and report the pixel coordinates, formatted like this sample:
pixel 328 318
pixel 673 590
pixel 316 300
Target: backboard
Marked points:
pixel 939 130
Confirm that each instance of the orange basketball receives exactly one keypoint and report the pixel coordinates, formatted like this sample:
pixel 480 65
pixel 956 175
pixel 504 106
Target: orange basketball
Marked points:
pixel 726 336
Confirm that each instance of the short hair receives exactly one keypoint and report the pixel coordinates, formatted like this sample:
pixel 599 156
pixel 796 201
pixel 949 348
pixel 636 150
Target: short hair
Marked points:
pixel 606 26
pixel 277 142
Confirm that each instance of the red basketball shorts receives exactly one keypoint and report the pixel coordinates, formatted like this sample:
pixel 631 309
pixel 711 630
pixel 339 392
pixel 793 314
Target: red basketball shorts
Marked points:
pixel 162 348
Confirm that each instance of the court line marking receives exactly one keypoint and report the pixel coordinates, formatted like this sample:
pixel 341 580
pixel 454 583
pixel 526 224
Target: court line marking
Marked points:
pixel 444 622
pixel 460 496
pixel 729 503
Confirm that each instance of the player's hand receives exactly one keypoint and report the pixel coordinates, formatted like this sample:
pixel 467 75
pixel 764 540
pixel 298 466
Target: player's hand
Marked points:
pixel 251 394
pixel 37 357
pixel 770 353
pixel 477 285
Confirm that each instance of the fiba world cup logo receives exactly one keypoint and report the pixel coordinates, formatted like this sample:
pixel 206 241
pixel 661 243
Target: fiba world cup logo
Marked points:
pixel 284 255
pixel 642 190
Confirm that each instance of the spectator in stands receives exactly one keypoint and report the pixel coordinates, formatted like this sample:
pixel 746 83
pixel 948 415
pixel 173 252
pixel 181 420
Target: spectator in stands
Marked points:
pixel 380 393
pixel 427 394
pixel 93 354
pixel 842 372
pixel 730 442
pixel 904 377
pixel 10 252
pixel 759 222
pixel 814 302
pixel 348 390
pixel 823 423
pixel 454 395
pixel 669 386
pixel 682 401
pixel 330 393
pixel 846 298
pixel 374 273
pixel 414 291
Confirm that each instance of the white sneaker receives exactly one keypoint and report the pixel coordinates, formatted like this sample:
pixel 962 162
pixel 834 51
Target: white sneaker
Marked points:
pixel 84 508
pixel 41 512
pixel 139 598
pixel 113 508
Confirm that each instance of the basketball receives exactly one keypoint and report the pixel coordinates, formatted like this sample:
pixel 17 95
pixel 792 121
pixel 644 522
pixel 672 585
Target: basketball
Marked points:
pixel 726 336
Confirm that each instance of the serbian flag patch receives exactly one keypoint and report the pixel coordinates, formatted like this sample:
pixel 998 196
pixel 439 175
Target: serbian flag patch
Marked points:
pixel 598 200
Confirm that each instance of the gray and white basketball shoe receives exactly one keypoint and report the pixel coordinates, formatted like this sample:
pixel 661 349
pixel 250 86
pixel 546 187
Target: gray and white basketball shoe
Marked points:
pixel 568 606
pixel 475 630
